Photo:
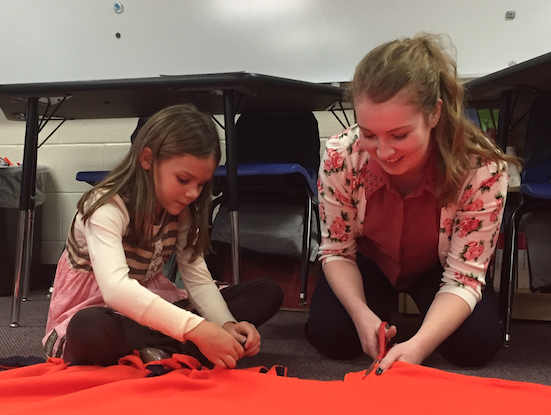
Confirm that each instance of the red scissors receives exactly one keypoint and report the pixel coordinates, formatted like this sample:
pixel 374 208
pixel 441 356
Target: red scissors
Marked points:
pixel 383 344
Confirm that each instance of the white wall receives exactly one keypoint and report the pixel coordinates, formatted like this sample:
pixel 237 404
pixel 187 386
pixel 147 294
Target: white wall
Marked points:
pixel 79 146
pixel 312 40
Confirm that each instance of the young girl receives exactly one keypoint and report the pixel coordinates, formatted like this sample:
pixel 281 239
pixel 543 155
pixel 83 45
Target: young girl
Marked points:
pixel 110 295
pixel 411 200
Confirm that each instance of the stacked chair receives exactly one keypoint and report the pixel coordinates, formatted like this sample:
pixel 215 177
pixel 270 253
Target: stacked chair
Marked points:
pixel 534 211
pixel 278 156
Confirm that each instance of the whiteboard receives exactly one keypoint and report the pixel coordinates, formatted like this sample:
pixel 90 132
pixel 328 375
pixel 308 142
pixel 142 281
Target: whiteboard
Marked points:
pixel 310 40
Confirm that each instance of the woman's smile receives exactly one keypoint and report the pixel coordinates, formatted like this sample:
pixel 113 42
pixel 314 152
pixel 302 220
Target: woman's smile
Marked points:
pixel 392 162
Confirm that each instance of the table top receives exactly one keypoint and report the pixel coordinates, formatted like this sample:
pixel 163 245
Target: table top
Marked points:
pixel 528 77
pixel 140 97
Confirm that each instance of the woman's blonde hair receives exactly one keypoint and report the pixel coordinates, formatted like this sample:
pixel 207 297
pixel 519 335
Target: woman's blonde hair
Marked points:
pixel 422 69
pixel 174 131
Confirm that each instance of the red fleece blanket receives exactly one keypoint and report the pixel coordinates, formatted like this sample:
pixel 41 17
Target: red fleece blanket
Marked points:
pixel 129 388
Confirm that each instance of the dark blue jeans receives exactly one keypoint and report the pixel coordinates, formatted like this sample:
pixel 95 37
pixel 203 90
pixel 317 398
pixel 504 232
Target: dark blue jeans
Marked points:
pixel 331 330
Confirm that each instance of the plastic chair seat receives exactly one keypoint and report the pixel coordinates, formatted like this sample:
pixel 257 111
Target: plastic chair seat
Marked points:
pixel 272 169
pixel 537 190
pixel 91 177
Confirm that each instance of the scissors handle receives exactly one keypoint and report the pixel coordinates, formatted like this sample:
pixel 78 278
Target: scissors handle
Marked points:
pixel 383 342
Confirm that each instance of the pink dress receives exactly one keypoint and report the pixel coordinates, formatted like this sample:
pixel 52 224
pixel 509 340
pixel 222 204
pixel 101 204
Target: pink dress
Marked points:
pixel 75 290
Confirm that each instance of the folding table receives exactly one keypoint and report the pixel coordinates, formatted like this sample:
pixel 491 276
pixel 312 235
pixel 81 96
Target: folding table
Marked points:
pixel 225 93
pixel 528 78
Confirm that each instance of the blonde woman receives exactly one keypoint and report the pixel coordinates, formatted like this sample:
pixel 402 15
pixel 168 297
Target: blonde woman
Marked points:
pixel 411 200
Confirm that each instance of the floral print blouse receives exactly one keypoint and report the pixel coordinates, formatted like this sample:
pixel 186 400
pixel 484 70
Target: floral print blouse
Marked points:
pixel 469 228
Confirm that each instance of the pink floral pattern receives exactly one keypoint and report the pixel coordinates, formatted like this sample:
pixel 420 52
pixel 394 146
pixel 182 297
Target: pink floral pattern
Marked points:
pixel 487 184
pixel 467 226
pixel 469 190
pixel 334 162
pixel 475 205
pixel 320 187
pixel 356 179
pixel 468 280
pixel 338 231
pixel 356 147
pixel 447 228
pixel 472 251
pixel 342 198
pixel 494 216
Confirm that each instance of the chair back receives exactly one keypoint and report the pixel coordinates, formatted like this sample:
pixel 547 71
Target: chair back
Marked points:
pixel 281 137
pixel 538 133
pixel 141 122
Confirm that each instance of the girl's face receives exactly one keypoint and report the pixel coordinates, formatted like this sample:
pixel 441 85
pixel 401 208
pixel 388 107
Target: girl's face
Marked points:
pixel 179 181
pixel 395 134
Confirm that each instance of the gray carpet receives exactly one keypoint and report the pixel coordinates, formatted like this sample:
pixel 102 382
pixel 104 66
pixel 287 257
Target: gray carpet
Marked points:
pixel 25 340
pixel 527 359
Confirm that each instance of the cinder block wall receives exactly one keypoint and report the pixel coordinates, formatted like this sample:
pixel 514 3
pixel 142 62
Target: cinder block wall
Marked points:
pixel 87 145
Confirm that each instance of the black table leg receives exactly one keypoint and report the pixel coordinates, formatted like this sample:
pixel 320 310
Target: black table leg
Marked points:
pixel 504 119
pixel 509 260
pixel 26 210
pixel 231 164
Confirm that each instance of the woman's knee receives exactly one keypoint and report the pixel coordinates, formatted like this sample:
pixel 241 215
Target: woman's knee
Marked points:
pixel 332 332
pixel 334 341
pixel 330 328
pixel 472 348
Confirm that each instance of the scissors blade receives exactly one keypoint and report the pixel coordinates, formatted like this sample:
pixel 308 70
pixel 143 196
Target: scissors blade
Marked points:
pixel 370 368
pixel 383 342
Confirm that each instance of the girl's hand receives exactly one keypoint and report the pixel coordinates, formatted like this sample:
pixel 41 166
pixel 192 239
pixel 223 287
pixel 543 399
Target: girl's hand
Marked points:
pixel 217 344
pixel 246 334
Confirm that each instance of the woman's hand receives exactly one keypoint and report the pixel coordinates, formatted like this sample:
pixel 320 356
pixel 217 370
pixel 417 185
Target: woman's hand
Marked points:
pixel 345 280
pixel 217 344
pixel 369 336
pixel 246 334
pixel 409 351
pixel 446 313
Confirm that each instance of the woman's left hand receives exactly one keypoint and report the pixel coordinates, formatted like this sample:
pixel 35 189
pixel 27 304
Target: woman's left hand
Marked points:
pixel 446 313
pixel 408 351
pixel 246 334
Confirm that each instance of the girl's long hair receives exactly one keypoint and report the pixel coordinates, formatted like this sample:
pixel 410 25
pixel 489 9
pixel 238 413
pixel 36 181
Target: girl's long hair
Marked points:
pixel 174 131
pixel 421 68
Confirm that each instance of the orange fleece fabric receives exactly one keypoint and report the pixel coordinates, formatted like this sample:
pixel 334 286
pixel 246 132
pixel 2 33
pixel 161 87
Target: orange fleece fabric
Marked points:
pixel 56 388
